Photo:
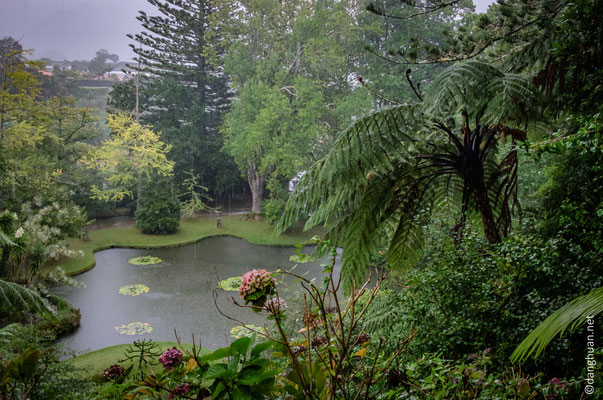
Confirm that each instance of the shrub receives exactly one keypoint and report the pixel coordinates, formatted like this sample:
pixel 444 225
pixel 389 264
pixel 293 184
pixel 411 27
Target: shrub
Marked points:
pixel 272 210
pixel 159 212
pixel 465 297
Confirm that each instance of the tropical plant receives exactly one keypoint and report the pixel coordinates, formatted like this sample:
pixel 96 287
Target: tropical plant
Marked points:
pixel 15 298
pixel 393 169
pixel 572 315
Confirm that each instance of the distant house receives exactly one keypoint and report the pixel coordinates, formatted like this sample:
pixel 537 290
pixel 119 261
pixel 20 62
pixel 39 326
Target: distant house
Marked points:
pixel 118 76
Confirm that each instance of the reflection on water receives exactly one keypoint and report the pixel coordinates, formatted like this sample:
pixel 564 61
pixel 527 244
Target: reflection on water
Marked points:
pixel 180 292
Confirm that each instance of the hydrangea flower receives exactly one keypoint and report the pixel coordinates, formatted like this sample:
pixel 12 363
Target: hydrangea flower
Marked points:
pixel 170 358
pixel 275 305
pixel 114 372
pixel 20 231
pixel 180 390
pixel 255 281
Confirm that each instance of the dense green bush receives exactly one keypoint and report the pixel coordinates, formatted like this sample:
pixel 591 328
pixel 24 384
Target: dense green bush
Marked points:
pixel 159 212
pixel 272 210
pixel 44 376
pixel 474 295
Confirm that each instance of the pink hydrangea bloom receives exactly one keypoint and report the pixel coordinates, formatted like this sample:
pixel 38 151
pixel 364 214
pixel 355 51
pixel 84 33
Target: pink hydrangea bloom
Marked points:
pixel 254 281
pixel 170 358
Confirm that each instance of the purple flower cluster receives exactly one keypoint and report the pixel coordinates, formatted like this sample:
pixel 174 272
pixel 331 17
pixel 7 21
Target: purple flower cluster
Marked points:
pixel 275 305
pixel 180 390
pixel 256 280
pixel 114 372
pixel 170 358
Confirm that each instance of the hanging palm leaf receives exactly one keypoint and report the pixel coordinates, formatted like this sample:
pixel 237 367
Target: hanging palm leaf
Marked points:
pixel 571 315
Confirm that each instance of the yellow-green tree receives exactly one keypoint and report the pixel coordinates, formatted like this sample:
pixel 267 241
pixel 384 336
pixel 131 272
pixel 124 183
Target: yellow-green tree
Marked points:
pixel 133 152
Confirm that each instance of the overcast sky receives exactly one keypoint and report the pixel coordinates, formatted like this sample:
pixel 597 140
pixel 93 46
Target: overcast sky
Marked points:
pixel 76 29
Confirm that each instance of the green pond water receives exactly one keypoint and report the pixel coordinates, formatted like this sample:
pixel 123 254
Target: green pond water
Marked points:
pixel 179 296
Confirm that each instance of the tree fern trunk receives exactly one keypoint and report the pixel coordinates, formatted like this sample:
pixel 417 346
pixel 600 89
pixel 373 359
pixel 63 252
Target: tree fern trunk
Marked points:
pixel 483 206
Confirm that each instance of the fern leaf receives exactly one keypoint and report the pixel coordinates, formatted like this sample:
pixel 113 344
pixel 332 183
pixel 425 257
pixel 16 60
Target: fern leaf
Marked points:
pixel 570 316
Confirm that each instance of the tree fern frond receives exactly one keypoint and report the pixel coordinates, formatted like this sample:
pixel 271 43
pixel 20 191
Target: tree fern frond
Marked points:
pixel 570 315
pixel 512 95
pixel 372 146
pixel 15 298
pixel 5 240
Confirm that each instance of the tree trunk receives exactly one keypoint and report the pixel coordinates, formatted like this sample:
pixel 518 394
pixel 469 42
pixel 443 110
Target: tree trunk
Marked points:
pixel 483 206
pixel 138 191
pixel 256 184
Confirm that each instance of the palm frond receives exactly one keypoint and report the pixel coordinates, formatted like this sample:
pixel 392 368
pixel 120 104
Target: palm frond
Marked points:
pixel 571 315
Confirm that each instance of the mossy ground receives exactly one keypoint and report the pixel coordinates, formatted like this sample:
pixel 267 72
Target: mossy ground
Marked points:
pixel 190 231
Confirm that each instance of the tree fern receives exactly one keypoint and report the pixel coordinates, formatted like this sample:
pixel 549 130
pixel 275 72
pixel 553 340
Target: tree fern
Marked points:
pixel 15 298
pixel 571 315
pixel 391 170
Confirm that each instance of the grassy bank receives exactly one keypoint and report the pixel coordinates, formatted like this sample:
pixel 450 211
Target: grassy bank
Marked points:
pixel 191 231
pixel 96 361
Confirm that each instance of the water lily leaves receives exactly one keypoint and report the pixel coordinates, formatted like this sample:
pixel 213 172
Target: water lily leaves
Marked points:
pixel 240 331
pixel 134 328
pixel 231 284
pixel 145 260
pixel 133 290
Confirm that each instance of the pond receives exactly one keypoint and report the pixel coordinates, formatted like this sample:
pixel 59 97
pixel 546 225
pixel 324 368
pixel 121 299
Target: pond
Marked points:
pixel 179 296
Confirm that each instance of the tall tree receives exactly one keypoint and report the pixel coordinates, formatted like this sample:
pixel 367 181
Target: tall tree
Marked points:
pixel 186 91
pixel 102 62
pixel 290 64
pixel 132 154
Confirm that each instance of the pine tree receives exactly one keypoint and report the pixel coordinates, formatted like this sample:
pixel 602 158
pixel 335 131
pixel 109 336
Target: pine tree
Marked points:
pixel 186 91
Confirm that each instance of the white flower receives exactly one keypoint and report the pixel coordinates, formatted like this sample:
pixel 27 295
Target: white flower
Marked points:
pixel 20 231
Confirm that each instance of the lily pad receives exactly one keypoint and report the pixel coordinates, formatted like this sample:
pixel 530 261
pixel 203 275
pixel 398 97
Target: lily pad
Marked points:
pixel 133 290
pixel 145 260
pixel 231 284
pixel 134 328
pixel 240 331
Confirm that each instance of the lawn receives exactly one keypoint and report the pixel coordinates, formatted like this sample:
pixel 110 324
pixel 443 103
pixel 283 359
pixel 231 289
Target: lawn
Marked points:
pixel 191 231
pixel 95 362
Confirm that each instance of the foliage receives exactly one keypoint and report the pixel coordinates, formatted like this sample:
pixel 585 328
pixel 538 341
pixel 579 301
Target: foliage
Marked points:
pixel 230 284
pixel 272 209
pixel 393 169
pixel 100 64
pixel 159 211
pixel 17 375
pixel 145 260
pixel 184 91
pixel 432 377
pixel 330 357
pixel 194 195
pixel 51 379
pixel 246 330
pixel 133 290
pixel 572 202
pixel 134 328
pixel 465 297
pixel 291 66
pixel 16 298
pixel 579 311
pixel 132 153
pixel 234 372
